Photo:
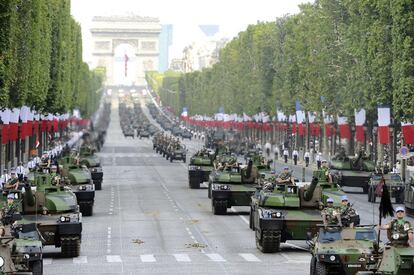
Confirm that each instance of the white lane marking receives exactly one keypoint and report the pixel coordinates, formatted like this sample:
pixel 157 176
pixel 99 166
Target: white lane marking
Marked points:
pixel 80 260
pixel 216 257
pixel 113 259
pixel 47 261
pixel 241 217
pixel 182 258
pixel 148 258
pixel 249 257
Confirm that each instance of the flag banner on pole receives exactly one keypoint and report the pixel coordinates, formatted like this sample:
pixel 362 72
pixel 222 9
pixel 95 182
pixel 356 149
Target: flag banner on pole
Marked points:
pixel 344 129
pixel 5 118
pixel 384 120
pixel 408 132
pixel 360 117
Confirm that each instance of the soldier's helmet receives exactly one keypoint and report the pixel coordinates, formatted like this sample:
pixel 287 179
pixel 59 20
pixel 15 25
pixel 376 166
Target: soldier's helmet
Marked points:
pixel 329 200
pixel 10 196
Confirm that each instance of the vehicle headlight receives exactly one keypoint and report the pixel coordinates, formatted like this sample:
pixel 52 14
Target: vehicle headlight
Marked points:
pixel 64 219
pixel 332 258
pixel 82 187
pixel 1 261
pixel 224 187
pixel 372 258
pixel 26 256
pixel 362 259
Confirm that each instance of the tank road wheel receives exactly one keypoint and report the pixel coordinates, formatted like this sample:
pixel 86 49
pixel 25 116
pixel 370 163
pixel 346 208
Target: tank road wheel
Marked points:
pixel 320 268
pixel 86 208
pixel 269 241
pixel 194 183
pixel 36 267
pixel 399 197
pixel 219 206
pixel 312 266
pixel 70 246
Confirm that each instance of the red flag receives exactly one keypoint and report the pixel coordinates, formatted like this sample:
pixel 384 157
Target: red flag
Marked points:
pixel 300 129
pixel 408 132
pixel 5 134
pixel 384 120
pixel 359 133
pixel 344 130
pixel 328 130
pixel 359 125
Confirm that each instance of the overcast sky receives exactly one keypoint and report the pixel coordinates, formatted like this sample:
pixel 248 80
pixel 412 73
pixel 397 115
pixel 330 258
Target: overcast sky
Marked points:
pixel 233 16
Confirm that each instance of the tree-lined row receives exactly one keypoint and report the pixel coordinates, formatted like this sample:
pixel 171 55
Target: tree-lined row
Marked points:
pixel 334 56
pixel 41 59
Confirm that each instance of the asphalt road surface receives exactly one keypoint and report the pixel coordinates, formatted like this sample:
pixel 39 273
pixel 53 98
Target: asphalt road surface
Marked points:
pixel 147 221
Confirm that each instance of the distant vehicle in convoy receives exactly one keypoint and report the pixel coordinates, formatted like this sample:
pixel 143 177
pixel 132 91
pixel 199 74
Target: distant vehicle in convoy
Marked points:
pixel 55 211
pixel 91 160
pixel 186 134
pixel 231 185
pixel 199 168
pixel 281 212
pixel 337 250
pixel 395 185
pixel 80 181
pixel 353 172
pixel 177 152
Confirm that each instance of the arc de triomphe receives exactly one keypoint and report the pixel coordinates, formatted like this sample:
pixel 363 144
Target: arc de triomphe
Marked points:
pixel 142 33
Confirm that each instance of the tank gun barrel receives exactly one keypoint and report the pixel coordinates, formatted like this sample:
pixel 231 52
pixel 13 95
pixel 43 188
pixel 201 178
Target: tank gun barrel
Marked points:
pixel 28 197
pixel 308 194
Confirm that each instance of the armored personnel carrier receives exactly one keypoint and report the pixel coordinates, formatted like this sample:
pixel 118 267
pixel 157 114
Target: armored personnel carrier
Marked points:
pixel 10 262
pixel 176 152
pixel 55 211
pixel 91 160
pixel 80 181
pixel 281 212
pixel 199 168
pixel 231 185
pixel 337 250
pixel 353 172
pixel 396 261
pixel 27 249
pixel 394 183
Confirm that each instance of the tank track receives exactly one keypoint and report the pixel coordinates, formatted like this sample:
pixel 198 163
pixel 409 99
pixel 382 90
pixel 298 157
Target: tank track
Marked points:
pixel 269 242
pixel 70 246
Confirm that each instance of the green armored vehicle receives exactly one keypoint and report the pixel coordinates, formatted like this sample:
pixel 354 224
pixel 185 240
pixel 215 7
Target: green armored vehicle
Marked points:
pixel 396 261
pixel 80 181
pixel 199 168
pixel 396 187
pixel 353 172
pixel 337 250
pixel 10 262
pixel 55 211
pixel 91 160
pixel 177 152
pixel 231 185
pixel 281 212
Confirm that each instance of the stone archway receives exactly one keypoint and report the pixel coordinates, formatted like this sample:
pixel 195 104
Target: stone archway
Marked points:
pixel 141 33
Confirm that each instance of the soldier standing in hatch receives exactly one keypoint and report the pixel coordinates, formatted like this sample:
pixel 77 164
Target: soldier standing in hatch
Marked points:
pixel 330 215
pixel 400 231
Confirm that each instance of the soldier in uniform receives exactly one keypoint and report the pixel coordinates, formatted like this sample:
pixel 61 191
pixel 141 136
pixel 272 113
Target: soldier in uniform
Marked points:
pixel 400 231
pixel 285 176
pixel 347 212
pixel 330 215
pixel 325 171
pixel 54 174
pixel 13 182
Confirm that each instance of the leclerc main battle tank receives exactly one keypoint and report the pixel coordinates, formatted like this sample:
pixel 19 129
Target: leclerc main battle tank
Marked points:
pixel 231 185
pixel 200 167
pixel 280 212
pixel 80 182
pixel 91 160
pixel 353 172
pixel 55 211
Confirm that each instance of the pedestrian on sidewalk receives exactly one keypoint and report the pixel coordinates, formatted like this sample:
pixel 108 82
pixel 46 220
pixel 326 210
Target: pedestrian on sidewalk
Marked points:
pixel 276 151
pixel 306 157
pixel 318 159
pixel 286 155
pixel 295 155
